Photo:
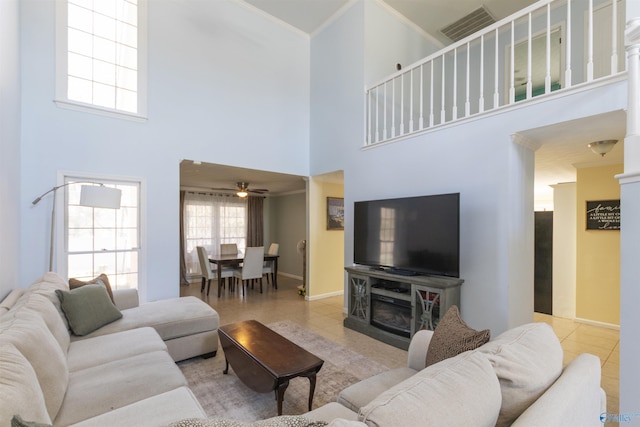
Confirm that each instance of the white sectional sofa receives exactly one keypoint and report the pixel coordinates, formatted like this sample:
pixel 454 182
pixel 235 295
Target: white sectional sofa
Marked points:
pixel 124 373
pixel 516 379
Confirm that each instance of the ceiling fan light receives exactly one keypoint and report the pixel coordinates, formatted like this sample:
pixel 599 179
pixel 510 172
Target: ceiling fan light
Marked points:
pixel 602 147
pixel 242 194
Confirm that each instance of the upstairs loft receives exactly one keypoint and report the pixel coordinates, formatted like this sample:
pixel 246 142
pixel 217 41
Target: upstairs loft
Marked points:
pixel 547 49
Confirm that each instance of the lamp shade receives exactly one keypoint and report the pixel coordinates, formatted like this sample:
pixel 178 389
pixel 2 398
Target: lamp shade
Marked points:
pixel 99 196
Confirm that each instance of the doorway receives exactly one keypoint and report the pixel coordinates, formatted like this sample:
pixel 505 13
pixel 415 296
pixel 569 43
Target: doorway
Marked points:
pixel 543 263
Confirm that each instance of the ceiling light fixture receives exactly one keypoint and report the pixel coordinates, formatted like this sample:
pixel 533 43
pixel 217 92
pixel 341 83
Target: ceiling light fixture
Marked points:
pixel 602 147
pixel 242 189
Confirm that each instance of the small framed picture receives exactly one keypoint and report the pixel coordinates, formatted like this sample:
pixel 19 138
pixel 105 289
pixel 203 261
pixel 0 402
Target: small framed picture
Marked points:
pixel 335 213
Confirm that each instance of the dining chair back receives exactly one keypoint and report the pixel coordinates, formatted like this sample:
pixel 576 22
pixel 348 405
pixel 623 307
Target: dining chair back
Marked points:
pixel 268 267
pixel 251 266
pixel 228 249
pixel 205 267
pixel 209 274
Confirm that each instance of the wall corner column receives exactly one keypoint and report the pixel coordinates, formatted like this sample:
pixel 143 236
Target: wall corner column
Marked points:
pixel 630 232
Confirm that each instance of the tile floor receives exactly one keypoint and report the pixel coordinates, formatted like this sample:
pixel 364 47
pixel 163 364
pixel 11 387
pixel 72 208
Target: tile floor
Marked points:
pixel 325 317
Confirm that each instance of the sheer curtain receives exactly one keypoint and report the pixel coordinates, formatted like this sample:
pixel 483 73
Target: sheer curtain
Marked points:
pixel 209 220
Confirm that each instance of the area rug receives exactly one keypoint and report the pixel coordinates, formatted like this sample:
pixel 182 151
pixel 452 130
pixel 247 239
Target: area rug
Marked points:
pixel 226 396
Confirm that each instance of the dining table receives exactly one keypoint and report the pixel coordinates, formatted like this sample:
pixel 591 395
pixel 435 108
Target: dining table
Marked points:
pixel 220 260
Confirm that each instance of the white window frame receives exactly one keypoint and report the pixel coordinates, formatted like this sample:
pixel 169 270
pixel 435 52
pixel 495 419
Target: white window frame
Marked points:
pixel 61 97
pixel 61 222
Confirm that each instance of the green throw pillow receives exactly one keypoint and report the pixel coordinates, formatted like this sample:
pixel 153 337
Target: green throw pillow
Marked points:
pixel 88 308
pixel 17 421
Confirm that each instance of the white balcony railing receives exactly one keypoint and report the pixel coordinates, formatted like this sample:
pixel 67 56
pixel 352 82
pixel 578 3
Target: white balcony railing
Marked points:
pixel 550 46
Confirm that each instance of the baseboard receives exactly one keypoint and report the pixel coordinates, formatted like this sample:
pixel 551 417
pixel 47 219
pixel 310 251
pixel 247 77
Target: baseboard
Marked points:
pixel 322 296
pixel 596 323
pixel 293 276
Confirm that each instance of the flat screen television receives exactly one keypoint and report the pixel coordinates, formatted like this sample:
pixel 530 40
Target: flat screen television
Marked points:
pixel 411 235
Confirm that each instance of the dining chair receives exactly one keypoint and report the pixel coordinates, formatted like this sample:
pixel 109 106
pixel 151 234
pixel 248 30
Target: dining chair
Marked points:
pixel 268 267
pixel 208 273
pixel 251 266
pixel 228 249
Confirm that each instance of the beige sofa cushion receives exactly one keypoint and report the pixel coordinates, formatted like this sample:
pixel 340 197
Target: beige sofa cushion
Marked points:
pixel 527 360
pixel 172 318
pixel 97 351
pixel 47 285
pixel 459 391
pixel 42 306
pixel 359 394
pixel 19 388
pixel 99 389
pixel 158 410
pixel 10 300
pixel 33 339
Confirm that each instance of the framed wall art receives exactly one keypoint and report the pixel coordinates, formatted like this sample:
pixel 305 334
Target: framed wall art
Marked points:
pixel 335 213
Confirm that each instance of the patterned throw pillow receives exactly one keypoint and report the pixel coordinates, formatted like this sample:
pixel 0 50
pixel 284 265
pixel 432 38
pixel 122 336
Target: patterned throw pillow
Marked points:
pixel 452 336
pixel 102 279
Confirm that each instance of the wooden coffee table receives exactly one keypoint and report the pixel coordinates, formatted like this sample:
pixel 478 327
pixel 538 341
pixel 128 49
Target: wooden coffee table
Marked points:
pixel 265 360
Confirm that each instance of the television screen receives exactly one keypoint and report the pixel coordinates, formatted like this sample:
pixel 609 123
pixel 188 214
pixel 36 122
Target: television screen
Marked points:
pixel 412 235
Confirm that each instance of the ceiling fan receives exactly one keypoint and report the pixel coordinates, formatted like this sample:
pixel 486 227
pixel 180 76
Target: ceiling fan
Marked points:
pixel 242 189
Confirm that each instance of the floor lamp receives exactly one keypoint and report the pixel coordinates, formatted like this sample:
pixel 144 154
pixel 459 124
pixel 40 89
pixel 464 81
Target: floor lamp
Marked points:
pixel 94 196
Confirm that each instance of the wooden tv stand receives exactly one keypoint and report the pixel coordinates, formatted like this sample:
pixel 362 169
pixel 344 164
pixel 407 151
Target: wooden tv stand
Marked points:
pixel 429 298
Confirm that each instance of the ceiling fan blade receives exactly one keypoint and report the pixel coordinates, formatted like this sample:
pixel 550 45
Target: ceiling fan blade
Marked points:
pixel 257 190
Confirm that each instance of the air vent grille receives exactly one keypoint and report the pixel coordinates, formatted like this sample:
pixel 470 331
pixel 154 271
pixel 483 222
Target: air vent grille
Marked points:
pixel 469 24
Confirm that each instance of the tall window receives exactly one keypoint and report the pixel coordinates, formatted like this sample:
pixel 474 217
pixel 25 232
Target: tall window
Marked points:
pixel 210 220
pixel 103 240
pixel 101 55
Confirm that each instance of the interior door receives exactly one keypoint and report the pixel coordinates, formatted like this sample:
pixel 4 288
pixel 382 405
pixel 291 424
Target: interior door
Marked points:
pixel 543 270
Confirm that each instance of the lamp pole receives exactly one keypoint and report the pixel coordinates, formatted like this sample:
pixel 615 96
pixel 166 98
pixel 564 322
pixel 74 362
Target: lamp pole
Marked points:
pixel 53 217
pixel 106 202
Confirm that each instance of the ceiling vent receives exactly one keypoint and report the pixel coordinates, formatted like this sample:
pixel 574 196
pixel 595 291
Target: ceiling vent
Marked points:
pixel 469 24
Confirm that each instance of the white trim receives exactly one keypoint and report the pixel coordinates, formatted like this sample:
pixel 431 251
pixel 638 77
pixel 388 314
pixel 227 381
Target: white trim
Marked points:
pixel 61 52
pixel 406 21
pixel 596 323
pixel 628 178
pixel 61 261
pixel 269 17
pixel 292 276
pixel 333 18
pixel 94 109
pixel 525 141
pixel 582 87
pixel 323 296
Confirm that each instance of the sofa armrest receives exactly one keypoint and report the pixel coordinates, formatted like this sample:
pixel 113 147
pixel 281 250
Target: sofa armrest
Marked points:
pixel 575 399
pixel 417 353
pixel 125 298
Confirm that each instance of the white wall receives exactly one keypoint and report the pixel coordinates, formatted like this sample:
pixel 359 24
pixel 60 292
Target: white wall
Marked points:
pixel 226 85
pixel 9 146
pixel 476 158
pixel 564 250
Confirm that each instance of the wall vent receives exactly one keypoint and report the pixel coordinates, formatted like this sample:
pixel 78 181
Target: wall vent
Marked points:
pixel 469 24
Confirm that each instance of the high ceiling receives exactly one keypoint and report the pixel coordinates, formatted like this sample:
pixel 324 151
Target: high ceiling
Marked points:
pixel 309 16
pixel 563 147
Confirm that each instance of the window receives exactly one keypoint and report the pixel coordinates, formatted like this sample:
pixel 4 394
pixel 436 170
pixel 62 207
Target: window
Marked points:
pixel 103 240
pixel 101 56
pixel 210 220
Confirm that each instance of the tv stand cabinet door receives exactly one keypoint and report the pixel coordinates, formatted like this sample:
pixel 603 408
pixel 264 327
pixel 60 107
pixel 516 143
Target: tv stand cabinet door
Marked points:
pixel 429 305
pixel 359 298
